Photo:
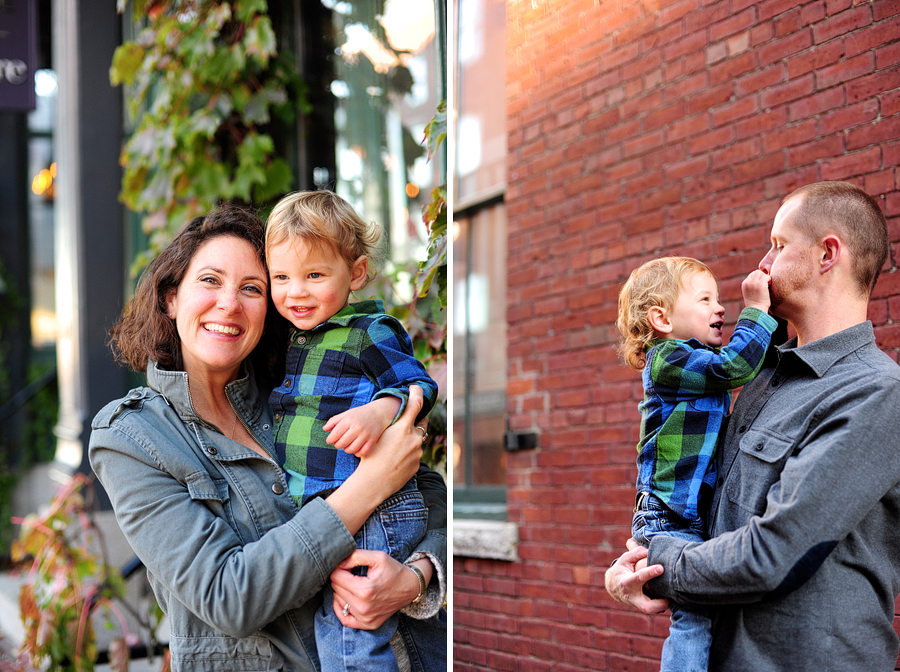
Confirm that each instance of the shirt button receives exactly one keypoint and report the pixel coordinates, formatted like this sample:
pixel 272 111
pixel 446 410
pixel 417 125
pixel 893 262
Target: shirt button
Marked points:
pixel 278 417
pixel 277 488
pixel 212 450
pixel 287 383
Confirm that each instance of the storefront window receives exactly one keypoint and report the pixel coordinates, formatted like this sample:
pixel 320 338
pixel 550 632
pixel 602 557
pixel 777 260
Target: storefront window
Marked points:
pixel 42 170
pixel 479 262
pixel 387 87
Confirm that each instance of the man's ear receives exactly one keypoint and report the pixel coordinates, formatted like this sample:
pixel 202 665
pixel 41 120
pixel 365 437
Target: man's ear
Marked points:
pixel 830 250
pixel 359 272
pixel 659 320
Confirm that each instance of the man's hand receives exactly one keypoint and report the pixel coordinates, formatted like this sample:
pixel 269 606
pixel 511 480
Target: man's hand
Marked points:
pixel 626 578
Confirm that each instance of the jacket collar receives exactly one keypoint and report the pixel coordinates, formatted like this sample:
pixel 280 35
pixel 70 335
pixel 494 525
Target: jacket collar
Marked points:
pixel 173 385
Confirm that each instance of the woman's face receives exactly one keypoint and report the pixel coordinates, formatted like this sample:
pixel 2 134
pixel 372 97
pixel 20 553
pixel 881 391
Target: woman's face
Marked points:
pixel 220 306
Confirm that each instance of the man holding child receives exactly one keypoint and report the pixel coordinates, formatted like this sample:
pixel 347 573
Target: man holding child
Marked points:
pixel 802 565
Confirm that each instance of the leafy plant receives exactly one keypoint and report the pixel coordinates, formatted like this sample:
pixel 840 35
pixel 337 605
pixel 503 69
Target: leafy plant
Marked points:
pixel 204 80
pixel 69 578
pixel 424 316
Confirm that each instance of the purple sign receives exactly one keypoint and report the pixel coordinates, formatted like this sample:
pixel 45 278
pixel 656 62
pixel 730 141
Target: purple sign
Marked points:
pixel 18 54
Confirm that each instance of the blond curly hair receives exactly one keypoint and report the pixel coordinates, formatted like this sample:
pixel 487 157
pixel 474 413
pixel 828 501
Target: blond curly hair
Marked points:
pixel 654 284
pixel 324 220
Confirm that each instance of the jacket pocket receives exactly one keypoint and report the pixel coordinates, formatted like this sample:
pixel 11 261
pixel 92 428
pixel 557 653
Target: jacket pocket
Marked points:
pixel 215 494
pixel 757 467
pixel 222 654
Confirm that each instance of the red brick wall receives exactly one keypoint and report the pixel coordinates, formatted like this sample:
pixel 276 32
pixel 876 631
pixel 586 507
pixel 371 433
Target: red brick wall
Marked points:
pixel 638 129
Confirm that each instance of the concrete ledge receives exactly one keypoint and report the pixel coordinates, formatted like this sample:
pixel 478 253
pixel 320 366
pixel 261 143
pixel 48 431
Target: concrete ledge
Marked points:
pixel 485 539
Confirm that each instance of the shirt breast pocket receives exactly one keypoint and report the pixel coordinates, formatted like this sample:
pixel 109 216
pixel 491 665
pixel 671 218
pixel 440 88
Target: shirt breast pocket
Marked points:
pixel 322 372
pixel 757 467
pixel 708 403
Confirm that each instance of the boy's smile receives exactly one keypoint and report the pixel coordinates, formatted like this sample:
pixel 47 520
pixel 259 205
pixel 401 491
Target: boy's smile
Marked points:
pixel 697 312
pixel 310 286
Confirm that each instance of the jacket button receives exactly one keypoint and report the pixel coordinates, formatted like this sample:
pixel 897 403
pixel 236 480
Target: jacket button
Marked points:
pixel 759 446
pixel 742 429
pixel 212 450
pixel 277 488
pixel 301 340
pixel 266 426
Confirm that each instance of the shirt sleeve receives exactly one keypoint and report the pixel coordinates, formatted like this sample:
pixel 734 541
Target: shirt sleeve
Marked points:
pixel 387 358
pixel 839 470
pixel 434 545
pixel 692 367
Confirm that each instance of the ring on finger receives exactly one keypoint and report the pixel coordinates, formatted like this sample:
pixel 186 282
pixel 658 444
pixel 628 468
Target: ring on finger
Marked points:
pixel 346 609
pixel 424 433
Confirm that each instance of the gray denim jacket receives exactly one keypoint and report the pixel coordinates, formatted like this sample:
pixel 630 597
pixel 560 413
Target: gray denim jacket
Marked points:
pixel 233 563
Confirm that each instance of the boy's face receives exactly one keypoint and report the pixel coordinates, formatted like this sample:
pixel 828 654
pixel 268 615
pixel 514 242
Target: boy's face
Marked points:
pixel 308 286
pixel 697 312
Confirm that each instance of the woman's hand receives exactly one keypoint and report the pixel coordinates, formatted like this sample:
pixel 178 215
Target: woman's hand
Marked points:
pixel 387 587
pixel 626 578
pixel 393 460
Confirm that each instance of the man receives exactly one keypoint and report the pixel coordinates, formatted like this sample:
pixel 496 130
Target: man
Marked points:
pixel 803 562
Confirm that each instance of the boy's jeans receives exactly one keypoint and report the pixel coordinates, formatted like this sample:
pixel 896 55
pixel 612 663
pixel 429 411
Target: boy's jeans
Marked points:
pixel 687 647
pixel 395 527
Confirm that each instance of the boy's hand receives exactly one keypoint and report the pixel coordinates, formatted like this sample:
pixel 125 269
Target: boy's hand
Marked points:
pixel 755 289
pixel 355 431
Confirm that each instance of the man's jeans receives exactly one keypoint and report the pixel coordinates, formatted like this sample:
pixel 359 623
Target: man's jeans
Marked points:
pixel 687 647
pixel 397 525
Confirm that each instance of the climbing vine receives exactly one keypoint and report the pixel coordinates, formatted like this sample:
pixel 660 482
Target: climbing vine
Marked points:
pixel 204 81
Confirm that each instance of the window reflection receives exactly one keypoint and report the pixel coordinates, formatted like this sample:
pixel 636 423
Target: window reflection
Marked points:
pixel 42 172
pixel 479 371
pixel 387 87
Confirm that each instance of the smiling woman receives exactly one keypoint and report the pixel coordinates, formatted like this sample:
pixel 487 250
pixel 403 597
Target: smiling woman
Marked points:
pixel 193 452
pixel 220 306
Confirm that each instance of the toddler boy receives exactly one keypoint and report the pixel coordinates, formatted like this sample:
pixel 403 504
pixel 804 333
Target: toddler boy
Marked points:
pixel 671 324
pixel 348 372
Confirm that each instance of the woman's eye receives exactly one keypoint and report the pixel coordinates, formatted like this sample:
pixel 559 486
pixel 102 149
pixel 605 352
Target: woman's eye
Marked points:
pixel 253 289
pixel 210 279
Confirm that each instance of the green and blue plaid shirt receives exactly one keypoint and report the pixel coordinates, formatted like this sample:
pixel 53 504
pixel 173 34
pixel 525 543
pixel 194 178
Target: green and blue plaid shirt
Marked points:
pixel 357 356
pixel 687 395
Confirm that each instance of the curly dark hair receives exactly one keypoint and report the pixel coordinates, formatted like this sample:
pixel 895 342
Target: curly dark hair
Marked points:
pixel 144 332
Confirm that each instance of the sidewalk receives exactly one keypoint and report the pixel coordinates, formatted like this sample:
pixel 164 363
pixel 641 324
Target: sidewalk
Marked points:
pixel 12 634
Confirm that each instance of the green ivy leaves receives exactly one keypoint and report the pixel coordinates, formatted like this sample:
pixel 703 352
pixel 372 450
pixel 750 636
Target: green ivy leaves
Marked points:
pixel 203 81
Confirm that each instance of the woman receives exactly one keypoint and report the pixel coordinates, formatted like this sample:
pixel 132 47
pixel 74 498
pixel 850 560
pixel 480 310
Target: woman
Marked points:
pixel 190 468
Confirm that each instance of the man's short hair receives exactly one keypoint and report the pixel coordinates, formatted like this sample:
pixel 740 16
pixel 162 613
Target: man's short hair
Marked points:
pixel 848 211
